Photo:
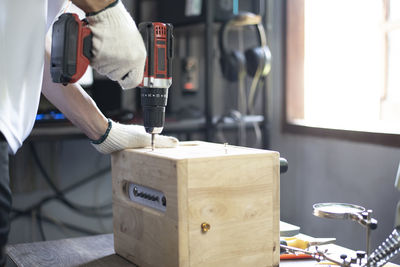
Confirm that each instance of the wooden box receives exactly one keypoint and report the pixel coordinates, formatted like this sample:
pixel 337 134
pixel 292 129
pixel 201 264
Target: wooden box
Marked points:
pixel 200 204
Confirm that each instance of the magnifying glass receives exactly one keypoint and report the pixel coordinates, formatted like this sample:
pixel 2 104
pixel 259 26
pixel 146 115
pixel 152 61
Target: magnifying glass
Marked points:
pixel 347 211
pixel 338 211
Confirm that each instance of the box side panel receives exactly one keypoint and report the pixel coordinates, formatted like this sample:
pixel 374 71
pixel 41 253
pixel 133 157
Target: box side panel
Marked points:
pixel 183 222
pixel 238 198
pixel 276 208
pixel 144 235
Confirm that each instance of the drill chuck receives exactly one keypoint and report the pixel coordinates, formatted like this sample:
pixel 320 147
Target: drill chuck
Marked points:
pixel 154 101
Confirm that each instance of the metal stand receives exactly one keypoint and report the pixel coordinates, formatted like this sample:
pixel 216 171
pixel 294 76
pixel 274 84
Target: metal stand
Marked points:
pixel 348 211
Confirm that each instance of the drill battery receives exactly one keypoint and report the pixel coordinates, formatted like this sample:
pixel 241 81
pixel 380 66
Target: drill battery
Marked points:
pixel 70 49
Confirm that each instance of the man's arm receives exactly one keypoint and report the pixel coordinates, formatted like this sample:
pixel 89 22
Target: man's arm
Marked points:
pixel 90 6
pixel 72 100
pixel 83 112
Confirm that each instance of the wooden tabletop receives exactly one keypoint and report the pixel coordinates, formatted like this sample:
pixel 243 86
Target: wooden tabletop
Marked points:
pixel 96 251
pixel 82 251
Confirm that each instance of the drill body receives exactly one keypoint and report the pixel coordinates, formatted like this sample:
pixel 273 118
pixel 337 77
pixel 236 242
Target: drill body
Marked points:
pixel 157 78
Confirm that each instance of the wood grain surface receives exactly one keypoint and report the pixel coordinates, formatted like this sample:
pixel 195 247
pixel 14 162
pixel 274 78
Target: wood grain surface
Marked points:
pixel 86 251
pixel 234 189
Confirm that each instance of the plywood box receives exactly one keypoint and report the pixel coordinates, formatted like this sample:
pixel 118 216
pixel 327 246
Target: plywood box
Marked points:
pixel 200 204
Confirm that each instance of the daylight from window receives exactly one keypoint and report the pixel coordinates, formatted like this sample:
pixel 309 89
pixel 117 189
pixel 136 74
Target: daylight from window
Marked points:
pixel 352 65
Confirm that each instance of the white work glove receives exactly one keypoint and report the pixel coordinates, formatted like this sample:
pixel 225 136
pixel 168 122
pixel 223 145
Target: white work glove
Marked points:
pixel 121 136
pixel 117 46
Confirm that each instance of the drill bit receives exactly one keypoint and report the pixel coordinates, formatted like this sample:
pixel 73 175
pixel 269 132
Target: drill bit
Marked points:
pixel 152 141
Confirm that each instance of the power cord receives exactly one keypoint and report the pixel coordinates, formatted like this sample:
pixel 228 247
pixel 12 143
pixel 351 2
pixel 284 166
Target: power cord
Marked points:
pixel 85 210
pixel 59 195
pixel 257 82
pixel 235 115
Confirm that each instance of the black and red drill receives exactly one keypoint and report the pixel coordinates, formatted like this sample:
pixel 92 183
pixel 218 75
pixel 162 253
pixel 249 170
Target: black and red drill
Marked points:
pixel 71 54
pixel 158 40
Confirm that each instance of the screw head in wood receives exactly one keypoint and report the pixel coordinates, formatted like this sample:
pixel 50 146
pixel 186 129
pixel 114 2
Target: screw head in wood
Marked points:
pixel 205 227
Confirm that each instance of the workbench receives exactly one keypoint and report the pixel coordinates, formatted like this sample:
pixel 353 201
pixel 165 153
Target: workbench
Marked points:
pixel 87 251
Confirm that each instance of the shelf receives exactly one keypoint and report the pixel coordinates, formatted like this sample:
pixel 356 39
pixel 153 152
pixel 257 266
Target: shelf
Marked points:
pixel 57 130
pixel 193 125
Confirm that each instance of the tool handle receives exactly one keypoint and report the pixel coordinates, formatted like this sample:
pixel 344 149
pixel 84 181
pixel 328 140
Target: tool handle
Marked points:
pixel 295 256
pixel 297 243
pixel 158 40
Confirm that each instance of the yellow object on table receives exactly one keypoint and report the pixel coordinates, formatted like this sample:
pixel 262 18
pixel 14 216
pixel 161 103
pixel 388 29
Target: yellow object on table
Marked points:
pixel 303 242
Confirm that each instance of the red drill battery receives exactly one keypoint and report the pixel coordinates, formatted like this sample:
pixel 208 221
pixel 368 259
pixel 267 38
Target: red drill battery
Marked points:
pixel 70 49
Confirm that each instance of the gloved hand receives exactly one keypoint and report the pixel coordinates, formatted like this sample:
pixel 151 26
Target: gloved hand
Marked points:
pixel 117 46
pixel 121 136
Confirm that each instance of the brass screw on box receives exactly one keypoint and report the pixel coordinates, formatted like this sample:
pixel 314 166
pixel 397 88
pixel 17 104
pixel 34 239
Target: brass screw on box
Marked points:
pixel 205 227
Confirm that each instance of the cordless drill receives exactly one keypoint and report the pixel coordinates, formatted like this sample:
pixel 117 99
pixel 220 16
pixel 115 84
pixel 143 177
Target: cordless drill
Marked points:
pixel 157 78
pixel 71 54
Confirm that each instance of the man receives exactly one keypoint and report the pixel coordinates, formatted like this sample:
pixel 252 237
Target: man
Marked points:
pixel 118 52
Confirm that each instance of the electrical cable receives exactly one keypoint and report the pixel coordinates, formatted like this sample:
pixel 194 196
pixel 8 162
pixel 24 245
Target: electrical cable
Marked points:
pixel 242 102
pixel 97 203
pixel 50 220
pixel 36 206
pixel 27 211
pixel 33 225
pixel 253 89
pixel 103 228
pixel 251 104
pixel 57 223
pixel 59 195
pixel 85 210
pixel 256 126
pixel 235 115
pixel 40 224
pixel 86 180
pixel 242 109
pixel 35 210
pixel 220 134
pixel 71 227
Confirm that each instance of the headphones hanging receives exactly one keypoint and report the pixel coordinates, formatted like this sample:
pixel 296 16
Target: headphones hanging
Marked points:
pixel 234 62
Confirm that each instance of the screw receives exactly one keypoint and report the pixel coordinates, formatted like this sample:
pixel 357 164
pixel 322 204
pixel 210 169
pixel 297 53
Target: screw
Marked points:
pixel 205 227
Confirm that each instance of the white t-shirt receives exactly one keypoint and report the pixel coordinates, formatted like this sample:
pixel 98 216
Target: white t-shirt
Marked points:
pixel 22 39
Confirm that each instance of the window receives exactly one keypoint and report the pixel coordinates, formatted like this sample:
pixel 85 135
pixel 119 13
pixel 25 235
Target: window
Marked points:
pixel 343 69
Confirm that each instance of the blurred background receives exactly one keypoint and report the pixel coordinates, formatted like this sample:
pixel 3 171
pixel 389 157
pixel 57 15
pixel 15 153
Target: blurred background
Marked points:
pixel 330 105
